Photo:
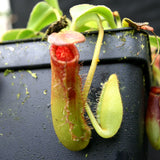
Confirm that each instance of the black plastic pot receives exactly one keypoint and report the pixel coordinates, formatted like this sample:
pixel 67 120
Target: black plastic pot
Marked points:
pixel 26 130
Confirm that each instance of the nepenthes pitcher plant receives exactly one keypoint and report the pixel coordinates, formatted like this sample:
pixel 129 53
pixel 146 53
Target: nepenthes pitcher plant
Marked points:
pixel 68 102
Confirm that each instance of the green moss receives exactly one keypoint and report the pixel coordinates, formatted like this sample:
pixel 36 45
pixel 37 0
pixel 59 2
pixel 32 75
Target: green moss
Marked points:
pixel 7 71
pixel 45 92
pixel 26 98
pixel 123 39
pixel 34 75
pixel 27 92
pixel 13 76
pixel 18 96
pixel 1 134
pixel 104 51
pixel 142 46
pixel 1 114
pixel 86 155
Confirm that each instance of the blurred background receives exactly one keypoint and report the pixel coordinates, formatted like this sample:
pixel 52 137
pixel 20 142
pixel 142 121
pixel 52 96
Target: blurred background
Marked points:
pixel 15 14
pixel 5 16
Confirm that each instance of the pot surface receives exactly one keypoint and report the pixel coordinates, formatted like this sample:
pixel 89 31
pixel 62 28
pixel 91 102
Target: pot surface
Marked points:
pixel 26 130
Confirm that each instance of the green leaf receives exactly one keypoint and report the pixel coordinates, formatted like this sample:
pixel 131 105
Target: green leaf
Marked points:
pixel 86 21
pixel 156 76
pixel 78 10
pixel 41 16
pixel 27 33
pixel 11 34
pixel 22 33
pixel 110 105
pixel 154 40
pixel 81 14
pixel 54 4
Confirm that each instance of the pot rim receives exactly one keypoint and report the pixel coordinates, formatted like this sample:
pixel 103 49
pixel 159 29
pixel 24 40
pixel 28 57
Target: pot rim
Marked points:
pixel 85 33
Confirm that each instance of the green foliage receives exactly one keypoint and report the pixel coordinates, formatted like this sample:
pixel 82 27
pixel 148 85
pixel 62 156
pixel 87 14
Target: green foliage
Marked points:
pixel 21 33
pixel 25 33
pixel 84 17
pixel 85 13
pixel 54 4
pixel 153 40
pixel 11 35
pixel 42 15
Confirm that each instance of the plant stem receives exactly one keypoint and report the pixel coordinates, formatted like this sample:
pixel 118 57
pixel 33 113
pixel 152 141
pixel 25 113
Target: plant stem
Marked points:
pixel 118 19
pixel 58 15
pixel 95 60
pixel 102 132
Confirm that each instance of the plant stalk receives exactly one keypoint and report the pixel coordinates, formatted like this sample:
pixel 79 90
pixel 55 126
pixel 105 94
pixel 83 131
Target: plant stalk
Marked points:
pixel 95 60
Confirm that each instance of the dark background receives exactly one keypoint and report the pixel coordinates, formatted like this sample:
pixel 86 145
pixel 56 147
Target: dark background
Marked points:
pixel 139 11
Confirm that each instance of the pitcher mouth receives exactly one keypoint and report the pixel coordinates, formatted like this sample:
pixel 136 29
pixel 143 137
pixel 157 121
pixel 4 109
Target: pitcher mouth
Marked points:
pixel 72 54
